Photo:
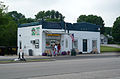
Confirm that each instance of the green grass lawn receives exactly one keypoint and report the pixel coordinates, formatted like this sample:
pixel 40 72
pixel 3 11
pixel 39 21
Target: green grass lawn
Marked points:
pixel 109 49
pixel 36 60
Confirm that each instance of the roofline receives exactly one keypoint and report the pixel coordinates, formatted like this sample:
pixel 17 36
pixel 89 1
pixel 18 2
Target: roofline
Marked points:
pixel 86 30
pixel 29 24
pixel 88 23
pixel 64 26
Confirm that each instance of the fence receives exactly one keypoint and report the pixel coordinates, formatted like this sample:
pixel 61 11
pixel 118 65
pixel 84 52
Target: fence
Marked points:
pixel 8 50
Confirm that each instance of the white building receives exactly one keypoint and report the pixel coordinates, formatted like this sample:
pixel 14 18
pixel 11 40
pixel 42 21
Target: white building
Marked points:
pixel 103 39
pixel 35 38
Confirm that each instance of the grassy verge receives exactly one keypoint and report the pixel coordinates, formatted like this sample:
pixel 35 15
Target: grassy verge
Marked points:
pixel 6 61
pixel 37 60
pixel 28 60
pixel 109 49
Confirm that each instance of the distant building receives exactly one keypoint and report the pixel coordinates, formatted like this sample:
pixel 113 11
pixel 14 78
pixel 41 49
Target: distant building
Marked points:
pixel 103 39
pixel 37 37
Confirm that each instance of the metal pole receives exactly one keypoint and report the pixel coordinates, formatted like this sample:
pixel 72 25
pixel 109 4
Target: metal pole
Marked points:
pixel 72 44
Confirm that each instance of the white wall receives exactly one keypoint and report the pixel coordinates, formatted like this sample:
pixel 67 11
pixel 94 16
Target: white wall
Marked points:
pixel 26 37
pixel 80 35
pixel 65 37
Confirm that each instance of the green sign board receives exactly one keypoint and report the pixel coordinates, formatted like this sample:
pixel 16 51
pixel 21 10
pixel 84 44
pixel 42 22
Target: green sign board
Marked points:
pixel 35 31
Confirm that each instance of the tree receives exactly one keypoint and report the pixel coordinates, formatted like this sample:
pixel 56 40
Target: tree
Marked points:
pixel 57 14
pixel 108 31
pixel 40 15
pixel 82 18
pixel 50 16
pixel 3 7
pixel 3 19
pixel 8 33
pixel 29 20
pixel 19 18
pixel 116 30
pixel 8 29
pixel 92 19
pixel 53 14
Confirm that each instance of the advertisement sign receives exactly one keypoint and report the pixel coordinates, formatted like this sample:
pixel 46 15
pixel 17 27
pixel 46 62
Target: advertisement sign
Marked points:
pixel 35 31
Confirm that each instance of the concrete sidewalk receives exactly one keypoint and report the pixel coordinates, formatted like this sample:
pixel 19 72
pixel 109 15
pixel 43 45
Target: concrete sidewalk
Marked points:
pixel 67 56
pixel 26 57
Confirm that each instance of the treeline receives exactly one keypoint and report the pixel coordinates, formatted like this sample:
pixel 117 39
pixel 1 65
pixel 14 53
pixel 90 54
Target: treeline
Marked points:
pixel 9 22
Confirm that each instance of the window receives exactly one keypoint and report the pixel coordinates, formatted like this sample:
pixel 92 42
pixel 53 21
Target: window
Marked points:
pixel 66 43
pixel 76 44
pixel 94 44
pixel 36 43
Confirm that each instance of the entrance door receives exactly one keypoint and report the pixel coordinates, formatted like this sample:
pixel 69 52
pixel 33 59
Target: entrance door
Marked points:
pixel 84 45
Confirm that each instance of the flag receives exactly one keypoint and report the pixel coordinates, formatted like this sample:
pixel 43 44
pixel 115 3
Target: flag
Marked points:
pixel 72 37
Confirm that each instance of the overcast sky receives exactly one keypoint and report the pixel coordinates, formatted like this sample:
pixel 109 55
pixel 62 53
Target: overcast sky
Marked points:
pixel 109 10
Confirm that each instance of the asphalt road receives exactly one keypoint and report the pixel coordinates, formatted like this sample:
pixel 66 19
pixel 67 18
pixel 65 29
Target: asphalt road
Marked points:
pixel 89 68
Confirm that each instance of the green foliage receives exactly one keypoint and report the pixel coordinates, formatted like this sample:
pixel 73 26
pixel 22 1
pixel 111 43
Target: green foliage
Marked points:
pixel 19 18
pixel 111 41
pixel 50 16
pixel 8 33
pixel 8 30
pixel 8 25
pixel 41 15
pixel 92 19
pixel 108 31
pixel 12 33
pixel 52 20
pixel 116 30
pixel 3 7
pixel 29 20
pixel 3 18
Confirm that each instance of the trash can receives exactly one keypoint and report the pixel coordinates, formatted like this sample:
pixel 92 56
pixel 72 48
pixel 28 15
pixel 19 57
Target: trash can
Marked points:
pixel 73 52
pixel 30 52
